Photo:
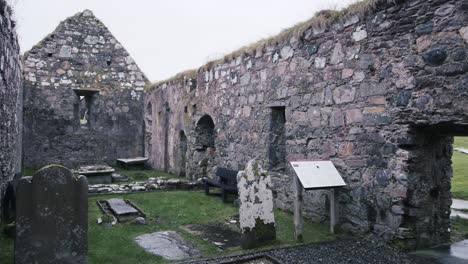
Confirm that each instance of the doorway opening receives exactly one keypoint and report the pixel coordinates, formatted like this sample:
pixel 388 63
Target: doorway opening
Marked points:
pixel 205 133
pixel 437 178
pixel 459 190
pixel 183 154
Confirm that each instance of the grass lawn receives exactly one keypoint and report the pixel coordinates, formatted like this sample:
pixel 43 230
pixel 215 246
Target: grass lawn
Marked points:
pixel 460 170
pixel 115 244
pixel 459 229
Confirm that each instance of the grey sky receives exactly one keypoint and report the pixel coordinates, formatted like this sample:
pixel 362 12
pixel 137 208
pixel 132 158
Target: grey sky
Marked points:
pixel 170 36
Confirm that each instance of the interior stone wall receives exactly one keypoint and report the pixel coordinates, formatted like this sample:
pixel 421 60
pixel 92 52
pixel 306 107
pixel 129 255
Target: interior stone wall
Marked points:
pixel 81 54
pixel 355 93
pixel 10 100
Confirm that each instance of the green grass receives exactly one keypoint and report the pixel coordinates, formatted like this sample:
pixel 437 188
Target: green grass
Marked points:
pixel 460 169
pixel 459 229
pixel 173 209
pixel 6 247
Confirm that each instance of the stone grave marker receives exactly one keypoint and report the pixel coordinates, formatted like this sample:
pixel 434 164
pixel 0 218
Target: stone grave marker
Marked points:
pixel 167 244
pixel 257 220
pixel 52 218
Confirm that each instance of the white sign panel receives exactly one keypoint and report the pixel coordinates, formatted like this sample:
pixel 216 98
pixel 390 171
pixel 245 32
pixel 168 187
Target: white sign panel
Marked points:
pixel 317 174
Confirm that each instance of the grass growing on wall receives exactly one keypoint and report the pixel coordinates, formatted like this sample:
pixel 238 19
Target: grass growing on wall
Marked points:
pixel 460 169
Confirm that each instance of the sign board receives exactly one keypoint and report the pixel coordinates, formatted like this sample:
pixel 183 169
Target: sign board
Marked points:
pixel 317 174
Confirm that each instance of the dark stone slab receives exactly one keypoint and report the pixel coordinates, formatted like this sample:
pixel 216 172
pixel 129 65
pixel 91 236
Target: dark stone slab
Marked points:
pixel 52 218
pixel 120 207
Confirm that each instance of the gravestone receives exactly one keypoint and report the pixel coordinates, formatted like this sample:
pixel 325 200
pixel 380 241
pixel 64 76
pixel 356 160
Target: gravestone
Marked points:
pixel 257 220
pixel 167 244
pixel 52 218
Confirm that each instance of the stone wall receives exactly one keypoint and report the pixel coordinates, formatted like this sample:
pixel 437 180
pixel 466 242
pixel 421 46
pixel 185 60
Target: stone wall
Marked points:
pixel 82 70
pixel 10 99
pixel 380 93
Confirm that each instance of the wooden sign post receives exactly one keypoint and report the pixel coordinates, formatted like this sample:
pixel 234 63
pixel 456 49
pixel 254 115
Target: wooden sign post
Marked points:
pixel 298 225
pixel 315 175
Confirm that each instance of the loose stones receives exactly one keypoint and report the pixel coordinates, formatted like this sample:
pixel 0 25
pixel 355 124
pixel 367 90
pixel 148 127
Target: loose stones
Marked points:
pixel 52 218
pixel 257 220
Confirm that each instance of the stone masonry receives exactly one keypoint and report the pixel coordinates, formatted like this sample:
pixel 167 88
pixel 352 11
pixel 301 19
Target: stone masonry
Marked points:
pixel 83 101
pixel 380 92
pixel 10 100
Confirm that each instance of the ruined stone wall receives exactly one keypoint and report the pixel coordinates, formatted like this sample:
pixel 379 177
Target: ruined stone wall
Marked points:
pixel 10 99
pixel 361 92
pixel 82 58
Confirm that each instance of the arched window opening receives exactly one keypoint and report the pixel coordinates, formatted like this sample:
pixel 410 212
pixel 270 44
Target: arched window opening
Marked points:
pixel 205 133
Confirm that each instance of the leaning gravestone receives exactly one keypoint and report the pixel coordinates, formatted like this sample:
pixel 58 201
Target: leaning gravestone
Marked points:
pixel 257 220
pixel 52 218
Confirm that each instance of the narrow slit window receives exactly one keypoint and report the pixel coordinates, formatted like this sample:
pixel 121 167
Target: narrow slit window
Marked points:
pixel 83 110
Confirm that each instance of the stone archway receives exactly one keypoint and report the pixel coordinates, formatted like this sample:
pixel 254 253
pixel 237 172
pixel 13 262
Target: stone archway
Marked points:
pixel 203 161
pixel 205 133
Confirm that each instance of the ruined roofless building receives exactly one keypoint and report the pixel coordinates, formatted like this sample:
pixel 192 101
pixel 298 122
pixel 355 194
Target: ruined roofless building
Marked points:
pixel 380 89
pixel 83 97
pixel 10 101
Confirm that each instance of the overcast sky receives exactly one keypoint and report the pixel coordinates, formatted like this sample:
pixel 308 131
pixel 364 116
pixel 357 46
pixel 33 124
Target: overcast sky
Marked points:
pixel 169 36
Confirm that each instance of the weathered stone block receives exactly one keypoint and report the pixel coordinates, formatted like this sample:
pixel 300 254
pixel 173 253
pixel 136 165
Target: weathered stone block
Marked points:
pixel 464 33
pixel 353 116
pixel 360 33
pixel 343 94
pixel 52 218
pixel 436 56
pixel 257 220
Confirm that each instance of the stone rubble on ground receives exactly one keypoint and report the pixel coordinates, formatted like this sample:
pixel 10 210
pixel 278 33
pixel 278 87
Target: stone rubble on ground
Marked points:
pixel 152 184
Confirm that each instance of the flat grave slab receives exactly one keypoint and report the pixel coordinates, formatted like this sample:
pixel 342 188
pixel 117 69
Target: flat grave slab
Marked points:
pixel 167 244
pixel 96 174
pixel 132 161
pixel 122 210
pixel 120 207
pixel 94 170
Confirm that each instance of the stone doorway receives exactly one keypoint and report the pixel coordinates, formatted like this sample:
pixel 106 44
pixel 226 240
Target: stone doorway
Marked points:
pixel 205 133
pixel 427 213
pixel 183 154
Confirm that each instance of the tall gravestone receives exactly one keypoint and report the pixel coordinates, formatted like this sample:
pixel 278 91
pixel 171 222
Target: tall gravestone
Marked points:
pixel 257 220
pixel 52 218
